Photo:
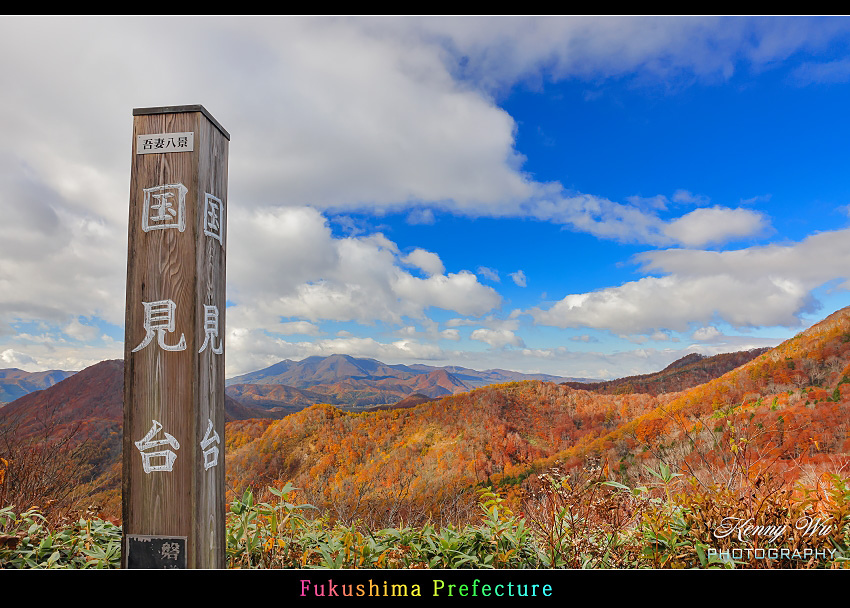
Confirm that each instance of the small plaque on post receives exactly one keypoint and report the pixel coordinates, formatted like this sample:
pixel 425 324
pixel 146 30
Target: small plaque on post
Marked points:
pixel 156 552
pixel 160 143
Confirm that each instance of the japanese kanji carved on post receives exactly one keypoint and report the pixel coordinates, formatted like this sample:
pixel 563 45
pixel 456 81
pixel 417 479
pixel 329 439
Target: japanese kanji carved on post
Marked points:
pixel 174 344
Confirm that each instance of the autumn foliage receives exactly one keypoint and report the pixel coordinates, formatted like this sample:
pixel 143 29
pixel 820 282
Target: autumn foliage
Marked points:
pixel 602 476
pixel 778 420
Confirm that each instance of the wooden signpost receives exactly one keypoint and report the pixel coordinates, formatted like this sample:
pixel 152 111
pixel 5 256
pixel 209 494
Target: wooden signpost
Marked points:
pixel 173 446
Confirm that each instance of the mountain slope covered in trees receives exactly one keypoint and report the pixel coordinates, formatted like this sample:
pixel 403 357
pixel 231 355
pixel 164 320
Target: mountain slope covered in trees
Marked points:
pixel 788 408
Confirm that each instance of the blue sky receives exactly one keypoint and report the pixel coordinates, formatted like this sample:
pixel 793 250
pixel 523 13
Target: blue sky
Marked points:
pixel 589 197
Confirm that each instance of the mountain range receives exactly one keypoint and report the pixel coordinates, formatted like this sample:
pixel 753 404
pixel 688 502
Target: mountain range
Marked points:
pixel 289 386
pixel 348 381
pixel 782 414
pixel 423 450
pixel 15 383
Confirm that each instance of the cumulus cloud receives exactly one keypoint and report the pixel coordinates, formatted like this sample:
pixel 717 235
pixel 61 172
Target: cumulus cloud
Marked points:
pixel 497 338
pixel 459 291
pixel 327 114
pixel 429 332
pixel 16 359
pixel 81 331
pixel 759 286
pixel 60 257
pixel 450 334
pixel 640 222
pixel 291 272
pixel 714 225
pixel 426 261
pixel 296 327
pixel 706 334
pixel 674 302
pixel 502 50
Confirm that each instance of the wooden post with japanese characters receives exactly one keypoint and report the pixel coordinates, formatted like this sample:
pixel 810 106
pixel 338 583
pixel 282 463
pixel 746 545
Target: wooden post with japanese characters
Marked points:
pixel 173 449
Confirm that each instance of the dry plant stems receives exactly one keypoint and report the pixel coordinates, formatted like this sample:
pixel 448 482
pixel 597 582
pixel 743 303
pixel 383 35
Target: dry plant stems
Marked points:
pixel 44 465
pixel 580 521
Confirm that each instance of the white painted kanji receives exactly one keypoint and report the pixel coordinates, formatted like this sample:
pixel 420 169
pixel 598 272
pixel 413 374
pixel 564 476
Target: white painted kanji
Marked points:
pixel 214 218
pixel 211 329
pixel 169 551
pixel 148 442
pixel 210 453
pixel 159 319
pixel 164 207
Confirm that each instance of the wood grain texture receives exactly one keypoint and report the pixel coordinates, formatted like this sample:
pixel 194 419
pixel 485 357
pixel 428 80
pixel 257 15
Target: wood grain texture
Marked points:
pixel 183 389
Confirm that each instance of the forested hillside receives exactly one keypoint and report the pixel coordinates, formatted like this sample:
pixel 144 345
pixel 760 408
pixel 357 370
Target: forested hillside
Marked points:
pixel 784 412
pixel 780 418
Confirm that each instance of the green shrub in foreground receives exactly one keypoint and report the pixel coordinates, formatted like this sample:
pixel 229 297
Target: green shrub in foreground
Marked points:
pixel 26 541
pixel 598 524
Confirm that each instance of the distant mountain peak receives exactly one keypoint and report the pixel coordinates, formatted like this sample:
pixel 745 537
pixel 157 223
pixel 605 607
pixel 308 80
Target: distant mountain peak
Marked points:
pixel 16 383
pixel 361 381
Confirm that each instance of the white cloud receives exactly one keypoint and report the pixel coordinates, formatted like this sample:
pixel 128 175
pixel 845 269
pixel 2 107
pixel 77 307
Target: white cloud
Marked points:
pixel 674 302
pixel 325 113
pixel 685 196
pixel 706 334
pixel 818 258
pixel 502 50
pixel 460 322
pixel 81 331
pixel 426 261
pixel 759 286
pixel 450 334
pixel 497 338
pixel 488 273
pixel 284 263
pixel 714 225
pixel 288 264
pixel 519 278
pixel 460 292
pixel 296 327
pixel 639 223
pixel 658 202
pixel 11 358
pixel 54 355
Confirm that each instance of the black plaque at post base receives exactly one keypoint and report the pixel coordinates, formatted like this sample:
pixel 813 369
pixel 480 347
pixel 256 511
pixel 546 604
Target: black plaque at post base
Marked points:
pixel 156 552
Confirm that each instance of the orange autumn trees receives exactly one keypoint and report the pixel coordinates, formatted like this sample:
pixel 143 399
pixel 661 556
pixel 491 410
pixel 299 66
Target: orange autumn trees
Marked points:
pixel 787 409
pixel 416 461
pixel 784 411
